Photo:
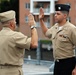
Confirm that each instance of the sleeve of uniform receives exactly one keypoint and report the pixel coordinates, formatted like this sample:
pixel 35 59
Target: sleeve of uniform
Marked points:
pixel 22 41
pixel 49 33
pixel 73 36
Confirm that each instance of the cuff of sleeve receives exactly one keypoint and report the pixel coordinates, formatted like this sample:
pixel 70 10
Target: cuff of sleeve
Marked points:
pixel 29 43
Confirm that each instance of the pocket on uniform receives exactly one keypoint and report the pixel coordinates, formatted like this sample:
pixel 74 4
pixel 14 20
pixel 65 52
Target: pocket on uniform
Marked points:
pixel 20 71
pixel 63 38
pixel 12 71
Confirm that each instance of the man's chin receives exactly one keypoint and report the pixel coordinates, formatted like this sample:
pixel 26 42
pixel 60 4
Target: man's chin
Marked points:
pixel 56 21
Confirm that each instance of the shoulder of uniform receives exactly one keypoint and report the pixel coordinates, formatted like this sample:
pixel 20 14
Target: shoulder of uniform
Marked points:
pixel 72 25
pixel 19 33
pixel 55 26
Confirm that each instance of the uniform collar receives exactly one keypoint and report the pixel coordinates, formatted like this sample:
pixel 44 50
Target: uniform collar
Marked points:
pixel 64 26
pixel 6 28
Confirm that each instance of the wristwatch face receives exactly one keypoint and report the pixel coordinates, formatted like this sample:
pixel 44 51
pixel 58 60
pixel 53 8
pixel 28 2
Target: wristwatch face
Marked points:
pixel 32 27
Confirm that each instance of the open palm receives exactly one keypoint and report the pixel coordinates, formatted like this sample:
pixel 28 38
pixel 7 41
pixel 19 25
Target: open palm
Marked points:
pixel 41 14
pixel 31 20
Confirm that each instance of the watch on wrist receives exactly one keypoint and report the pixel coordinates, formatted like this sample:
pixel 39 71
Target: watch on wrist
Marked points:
pixel 33 27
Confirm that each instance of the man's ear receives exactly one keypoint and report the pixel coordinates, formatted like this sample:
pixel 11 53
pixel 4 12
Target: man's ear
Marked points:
pixel 11 26
pixel 65 16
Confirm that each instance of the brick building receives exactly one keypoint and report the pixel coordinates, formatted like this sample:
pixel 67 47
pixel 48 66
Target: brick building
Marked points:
pixel 26 6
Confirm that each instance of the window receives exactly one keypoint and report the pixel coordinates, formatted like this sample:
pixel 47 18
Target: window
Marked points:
pixel 27 5
pixel 69 19
pixel 26 19
pixel 75 21
pixel 75 6
pixel 69 4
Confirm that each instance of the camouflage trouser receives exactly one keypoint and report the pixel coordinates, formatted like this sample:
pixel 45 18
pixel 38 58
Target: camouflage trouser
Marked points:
pixel 6 70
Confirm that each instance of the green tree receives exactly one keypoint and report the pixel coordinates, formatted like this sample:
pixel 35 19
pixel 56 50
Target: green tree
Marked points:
pixel 15 6
pixel 6 5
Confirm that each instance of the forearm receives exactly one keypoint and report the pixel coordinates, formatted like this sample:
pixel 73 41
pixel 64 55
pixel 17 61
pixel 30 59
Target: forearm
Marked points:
pixel 34 38
pixel 43 26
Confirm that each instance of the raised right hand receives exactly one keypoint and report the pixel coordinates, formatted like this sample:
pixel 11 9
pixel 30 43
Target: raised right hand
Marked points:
pixel 31 20
pixel 41 13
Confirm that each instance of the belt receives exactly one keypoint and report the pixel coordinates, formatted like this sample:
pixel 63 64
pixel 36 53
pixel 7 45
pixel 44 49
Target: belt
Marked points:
pixel 8 66
pixel 66 59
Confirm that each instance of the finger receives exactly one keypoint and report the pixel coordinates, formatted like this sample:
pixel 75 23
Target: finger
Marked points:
pixel 41 10
pixel 30 16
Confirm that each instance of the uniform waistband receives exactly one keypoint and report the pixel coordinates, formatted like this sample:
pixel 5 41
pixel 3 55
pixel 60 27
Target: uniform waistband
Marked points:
pixel 8 66
pixel 66 59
